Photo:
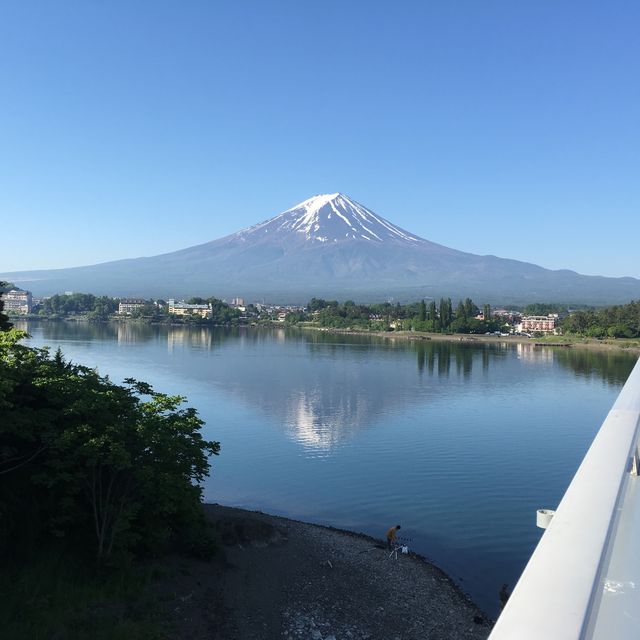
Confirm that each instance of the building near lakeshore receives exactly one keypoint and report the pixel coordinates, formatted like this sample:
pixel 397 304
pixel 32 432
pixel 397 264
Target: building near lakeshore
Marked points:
pixel 184 309
pixel 18 301
pixel 128 305
pixel 543 324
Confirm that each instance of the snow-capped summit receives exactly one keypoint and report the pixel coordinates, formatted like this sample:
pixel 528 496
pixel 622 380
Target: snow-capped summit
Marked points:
pixel 332 217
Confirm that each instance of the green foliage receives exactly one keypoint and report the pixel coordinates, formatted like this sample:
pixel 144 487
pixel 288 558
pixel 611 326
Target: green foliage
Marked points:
pixel 317 304
pixel 222 313
pixel 432 316
pixel 412 317
pixel 426 325
pixel 148 309
pixel 445 313
pixel 4 319
pixel 422 311
pixel 619 321
pixel 472 325
pixel 544 309
pixel 350 315
pixel 110 468
pixel 293 317
pixel 470 309
pixel 98 307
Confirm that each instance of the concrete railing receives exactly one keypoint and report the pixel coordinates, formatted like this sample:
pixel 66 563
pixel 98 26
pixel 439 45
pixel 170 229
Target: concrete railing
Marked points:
pixel 560 590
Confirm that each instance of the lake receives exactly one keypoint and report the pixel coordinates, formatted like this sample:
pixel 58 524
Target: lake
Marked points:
pixel 460 443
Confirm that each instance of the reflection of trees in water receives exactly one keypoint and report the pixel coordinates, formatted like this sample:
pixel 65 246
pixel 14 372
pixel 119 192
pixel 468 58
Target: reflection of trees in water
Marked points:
pixel 62 330
pixel 132 332
pixel 65 330
pixel 613 367
pixel 464 362
pixel 338 339
pixel 438 356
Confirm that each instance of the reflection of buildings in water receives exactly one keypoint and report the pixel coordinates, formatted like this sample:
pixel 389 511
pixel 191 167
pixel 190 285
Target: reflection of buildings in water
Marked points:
pixel 531 353
pixel 126 332
pixel 175 338
pixel 201 337
pixel 178 337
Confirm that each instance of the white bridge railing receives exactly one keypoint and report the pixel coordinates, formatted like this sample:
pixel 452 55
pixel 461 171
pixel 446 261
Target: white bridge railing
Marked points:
pixel 582 581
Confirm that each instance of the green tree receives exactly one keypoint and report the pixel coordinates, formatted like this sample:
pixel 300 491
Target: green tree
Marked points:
pixel 620 331
pixel 445 312
pixel 4 319
pixel 148 309
pixel 432 316
pixel 315 304
pixel 422 311
pixel 471 310
pixel 615 321
pixel 82 458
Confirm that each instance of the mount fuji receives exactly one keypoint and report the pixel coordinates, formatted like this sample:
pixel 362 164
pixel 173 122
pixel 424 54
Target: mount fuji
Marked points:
pixel 329 246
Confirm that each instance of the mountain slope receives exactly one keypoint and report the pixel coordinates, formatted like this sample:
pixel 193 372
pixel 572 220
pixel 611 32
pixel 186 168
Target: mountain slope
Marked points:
pixel 330 246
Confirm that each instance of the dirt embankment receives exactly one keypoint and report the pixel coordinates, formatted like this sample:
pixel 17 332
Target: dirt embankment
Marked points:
pixel 280 578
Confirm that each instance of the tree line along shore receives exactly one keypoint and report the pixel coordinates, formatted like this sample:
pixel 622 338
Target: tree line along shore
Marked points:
pixel 611 326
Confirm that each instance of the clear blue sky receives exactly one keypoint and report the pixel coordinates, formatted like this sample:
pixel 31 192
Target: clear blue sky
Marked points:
pixel 132 128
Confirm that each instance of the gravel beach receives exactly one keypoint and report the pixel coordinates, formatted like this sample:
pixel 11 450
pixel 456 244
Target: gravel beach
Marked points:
pixel 280 578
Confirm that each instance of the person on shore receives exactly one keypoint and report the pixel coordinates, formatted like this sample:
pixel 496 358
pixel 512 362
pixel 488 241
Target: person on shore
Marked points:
pixel 392 536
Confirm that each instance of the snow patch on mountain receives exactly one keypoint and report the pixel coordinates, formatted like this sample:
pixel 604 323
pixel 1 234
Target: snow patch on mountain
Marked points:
pixel 332 217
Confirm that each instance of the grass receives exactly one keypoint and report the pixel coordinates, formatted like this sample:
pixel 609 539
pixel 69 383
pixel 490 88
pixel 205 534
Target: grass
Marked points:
pixel 52 596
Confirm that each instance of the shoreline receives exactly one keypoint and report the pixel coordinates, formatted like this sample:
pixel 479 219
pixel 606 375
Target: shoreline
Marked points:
pixel 276 577
pixel 612 344
pixel 627 345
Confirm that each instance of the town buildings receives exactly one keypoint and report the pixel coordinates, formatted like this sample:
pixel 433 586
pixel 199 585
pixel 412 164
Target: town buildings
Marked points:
pixel 18 301
pixel 543 324
pixel 128 305
pixel 185 309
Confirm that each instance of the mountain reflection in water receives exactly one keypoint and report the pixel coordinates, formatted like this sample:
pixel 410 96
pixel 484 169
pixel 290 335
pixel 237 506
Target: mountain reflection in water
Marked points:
pixel 361 431
pixel 322 405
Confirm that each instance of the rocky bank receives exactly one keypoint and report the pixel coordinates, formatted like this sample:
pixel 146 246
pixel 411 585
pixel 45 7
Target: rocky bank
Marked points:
pixel 280 578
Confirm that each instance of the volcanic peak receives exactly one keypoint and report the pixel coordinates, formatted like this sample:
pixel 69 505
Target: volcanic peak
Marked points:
pixel 333 217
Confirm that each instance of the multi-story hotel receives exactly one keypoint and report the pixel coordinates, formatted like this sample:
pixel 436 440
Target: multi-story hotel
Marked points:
pixel 18 301
pixel 545 324
pixel 128 305
pixel 184 309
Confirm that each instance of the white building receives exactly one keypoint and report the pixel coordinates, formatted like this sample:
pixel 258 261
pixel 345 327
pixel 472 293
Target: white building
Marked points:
pixel 18 301
pixel 544 324
pixel 128 305
pixel 184 309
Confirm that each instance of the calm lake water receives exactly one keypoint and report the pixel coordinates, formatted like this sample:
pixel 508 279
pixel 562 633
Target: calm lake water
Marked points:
pixel 460 444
